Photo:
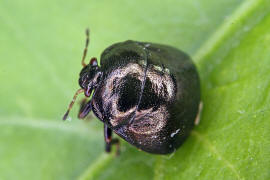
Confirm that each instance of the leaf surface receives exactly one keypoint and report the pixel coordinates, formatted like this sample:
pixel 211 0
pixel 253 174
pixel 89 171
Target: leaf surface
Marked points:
pixel 42 44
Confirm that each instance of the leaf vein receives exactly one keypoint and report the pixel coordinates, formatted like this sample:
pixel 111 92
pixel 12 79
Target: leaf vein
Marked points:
pixel 214 150
pixel 224 30
pixel 94 168
pixel 46 125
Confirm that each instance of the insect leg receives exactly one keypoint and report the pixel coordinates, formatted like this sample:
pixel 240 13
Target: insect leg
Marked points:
pixel 85 108
pixel 109 141
pixel 72 102
pixel 198 117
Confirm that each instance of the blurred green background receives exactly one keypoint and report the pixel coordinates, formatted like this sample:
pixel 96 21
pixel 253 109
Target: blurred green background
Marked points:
pixel 41 44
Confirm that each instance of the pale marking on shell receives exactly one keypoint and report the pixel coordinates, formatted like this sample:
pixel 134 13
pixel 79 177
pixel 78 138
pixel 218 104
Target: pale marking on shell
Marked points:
pixel 119 74
pixel 174 133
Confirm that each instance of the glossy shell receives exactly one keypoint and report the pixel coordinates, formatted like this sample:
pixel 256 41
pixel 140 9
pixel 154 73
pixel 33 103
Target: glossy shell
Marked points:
pixel 149 95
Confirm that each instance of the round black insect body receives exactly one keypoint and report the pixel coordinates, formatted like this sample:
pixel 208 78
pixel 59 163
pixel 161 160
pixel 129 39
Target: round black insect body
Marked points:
pixel 146 93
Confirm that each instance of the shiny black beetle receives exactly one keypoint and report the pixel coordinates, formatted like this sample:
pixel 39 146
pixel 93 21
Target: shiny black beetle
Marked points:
pixel 146 93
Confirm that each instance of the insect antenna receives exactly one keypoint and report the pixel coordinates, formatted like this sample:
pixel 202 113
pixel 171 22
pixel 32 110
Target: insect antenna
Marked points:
pixel 72 102
pixel 86 46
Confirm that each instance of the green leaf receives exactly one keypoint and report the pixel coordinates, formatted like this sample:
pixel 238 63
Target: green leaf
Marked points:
pixel 41 47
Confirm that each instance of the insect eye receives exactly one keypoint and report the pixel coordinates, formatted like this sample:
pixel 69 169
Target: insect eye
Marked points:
pixel 93 62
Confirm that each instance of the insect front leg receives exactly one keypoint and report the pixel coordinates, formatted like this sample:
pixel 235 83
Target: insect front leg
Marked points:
pixel 85 108
pixel 109 141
